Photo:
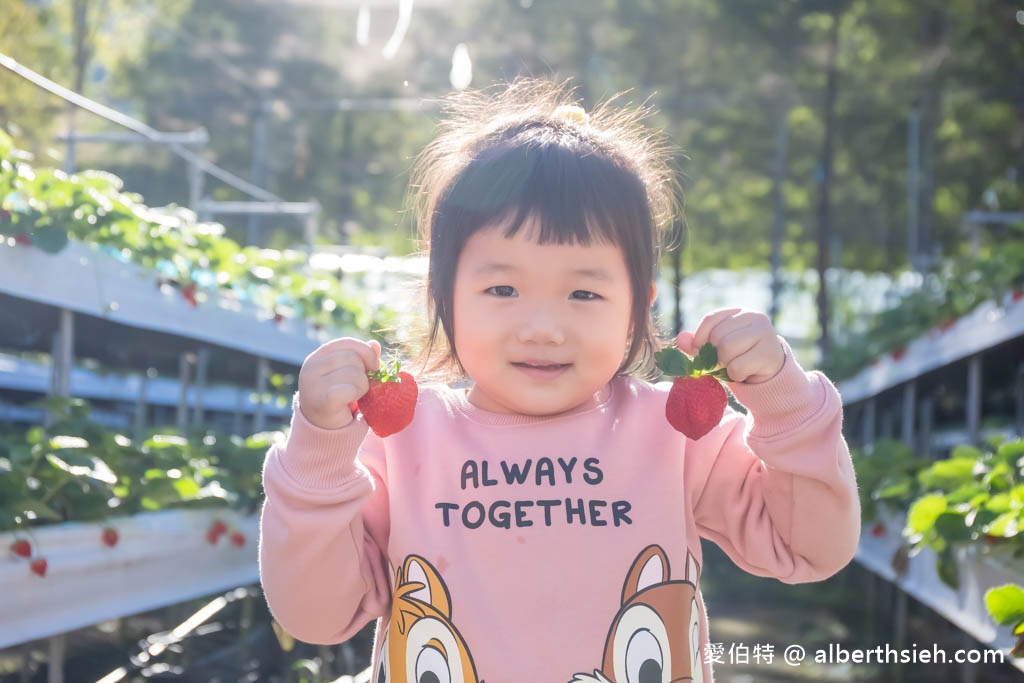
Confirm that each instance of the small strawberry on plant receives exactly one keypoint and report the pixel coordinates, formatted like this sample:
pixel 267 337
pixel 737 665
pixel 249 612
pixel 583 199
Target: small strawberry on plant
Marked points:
pixel 878 530
pixel 22 548
pixel 389 404
pixel 697 400
pixel 188 292
pixel 110 536
pixel 238 538
pixel 38 566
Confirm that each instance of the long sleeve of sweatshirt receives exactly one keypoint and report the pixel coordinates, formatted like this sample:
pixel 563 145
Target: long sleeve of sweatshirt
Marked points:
pixel 777 491
pixel 324 526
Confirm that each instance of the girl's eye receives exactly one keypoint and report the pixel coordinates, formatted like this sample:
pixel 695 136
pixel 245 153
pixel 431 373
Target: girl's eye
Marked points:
pixel 502 290
pixel 584 295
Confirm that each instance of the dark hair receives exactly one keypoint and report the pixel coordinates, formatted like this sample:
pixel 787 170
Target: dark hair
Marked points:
pixel 524 150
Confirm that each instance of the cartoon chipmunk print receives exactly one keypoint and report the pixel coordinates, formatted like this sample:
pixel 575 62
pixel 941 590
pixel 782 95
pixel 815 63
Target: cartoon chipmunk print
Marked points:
pixel 421 644
pixel 655 636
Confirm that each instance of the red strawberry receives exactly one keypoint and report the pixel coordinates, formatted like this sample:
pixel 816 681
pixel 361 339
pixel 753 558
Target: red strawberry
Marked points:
pixel 238 538
pixel 1017 294
pixel 23 239
pixel 212 537
pixel 697 400
pixel 110 537
pixel 38 566
pixel 878 530
pixel 22 548
pixel 389 404
pixel 219 527
pixel 189 293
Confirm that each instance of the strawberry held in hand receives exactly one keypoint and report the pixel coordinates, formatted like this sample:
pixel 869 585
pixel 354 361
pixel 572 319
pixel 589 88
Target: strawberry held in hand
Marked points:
pixel 389 404
pixel 697 400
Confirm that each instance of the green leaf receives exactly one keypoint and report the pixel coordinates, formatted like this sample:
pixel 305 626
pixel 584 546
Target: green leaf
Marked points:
pixel 948 475
pixel 947 568
pixel 707 358
pixel 50 239
pixel 1005 604
pixel 83 466
pixel 952 527
pixel 923 513
pixel 673 362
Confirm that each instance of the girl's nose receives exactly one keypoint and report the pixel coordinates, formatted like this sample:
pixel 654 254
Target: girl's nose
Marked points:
pixel 541 325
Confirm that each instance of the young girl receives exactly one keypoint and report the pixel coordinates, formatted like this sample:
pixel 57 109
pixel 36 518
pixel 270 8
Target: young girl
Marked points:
pixel 542 523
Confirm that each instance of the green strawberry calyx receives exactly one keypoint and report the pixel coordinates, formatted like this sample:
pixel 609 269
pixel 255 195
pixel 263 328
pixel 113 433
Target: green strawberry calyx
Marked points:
pixel 388 371
pixel 674 363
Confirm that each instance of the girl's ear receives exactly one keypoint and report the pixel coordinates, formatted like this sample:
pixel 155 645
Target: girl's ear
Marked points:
pixel 654 293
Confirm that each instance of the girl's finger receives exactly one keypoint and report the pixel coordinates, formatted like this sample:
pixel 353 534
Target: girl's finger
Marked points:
pixel 709 322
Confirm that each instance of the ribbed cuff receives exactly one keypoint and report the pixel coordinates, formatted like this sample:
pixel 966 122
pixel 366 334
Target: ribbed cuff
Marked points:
pixel 321 458
pixel 786 401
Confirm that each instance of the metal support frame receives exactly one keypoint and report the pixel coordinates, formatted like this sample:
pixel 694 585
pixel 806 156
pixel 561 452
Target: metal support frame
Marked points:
pixel 973 398
pixel 185 363
pixel 1018 400
pixel 61 359
pixel 202 363
pixel 139 423
pixel 310 210
pixel 909 409
pixel 926 418
pixel 262 378
pixel 868 426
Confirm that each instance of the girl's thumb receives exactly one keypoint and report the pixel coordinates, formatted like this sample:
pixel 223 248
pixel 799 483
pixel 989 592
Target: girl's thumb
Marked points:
pixel 375 345
pixel 684 341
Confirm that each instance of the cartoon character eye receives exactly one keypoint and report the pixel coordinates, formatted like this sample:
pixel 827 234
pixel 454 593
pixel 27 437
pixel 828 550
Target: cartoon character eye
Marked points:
pixel 432 653
pixel 432 667
pixel 641 647
pixel 696 661
pixel 382 664
pixel 643 658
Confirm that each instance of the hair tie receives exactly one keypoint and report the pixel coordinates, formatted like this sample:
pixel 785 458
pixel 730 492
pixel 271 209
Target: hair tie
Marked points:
pixel 573 113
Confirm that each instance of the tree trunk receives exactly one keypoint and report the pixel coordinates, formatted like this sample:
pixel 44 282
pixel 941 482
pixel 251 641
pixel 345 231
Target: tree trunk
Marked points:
pixel 824 214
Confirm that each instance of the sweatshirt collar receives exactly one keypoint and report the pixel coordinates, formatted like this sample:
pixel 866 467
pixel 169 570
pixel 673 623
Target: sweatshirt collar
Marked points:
pixel 459 401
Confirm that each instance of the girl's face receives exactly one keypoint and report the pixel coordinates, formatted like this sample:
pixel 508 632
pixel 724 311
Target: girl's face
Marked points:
pixel 539 328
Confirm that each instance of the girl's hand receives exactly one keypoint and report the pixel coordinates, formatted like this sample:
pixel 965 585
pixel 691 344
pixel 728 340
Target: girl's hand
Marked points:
pixel 334 376
pixel 748 346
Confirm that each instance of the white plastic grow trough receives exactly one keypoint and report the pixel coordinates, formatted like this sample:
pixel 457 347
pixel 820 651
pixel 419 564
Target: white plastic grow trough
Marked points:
pixel 964 607
pixel 161 558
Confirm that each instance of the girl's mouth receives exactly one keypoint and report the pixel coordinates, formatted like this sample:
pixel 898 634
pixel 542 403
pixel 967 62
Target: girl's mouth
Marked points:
pixel 544 371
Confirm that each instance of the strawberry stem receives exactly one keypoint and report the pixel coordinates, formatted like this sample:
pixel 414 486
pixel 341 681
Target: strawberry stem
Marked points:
pixel 388 371
pixel 674 363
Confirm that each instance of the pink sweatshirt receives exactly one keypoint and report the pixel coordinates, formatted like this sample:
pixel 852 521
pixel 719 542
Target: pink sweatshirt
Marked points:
pixel 506 548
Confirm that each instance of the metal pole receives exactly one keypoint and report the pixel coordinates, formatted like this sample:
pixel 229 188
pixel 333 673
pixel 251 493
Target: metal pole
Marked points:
pixel 140 406
pixel 909 409
pixel 61 359
pixel 185 362
pixel 262 375
pixel 868 426
pixel 55 659
pixel 201 371
pixel 973 398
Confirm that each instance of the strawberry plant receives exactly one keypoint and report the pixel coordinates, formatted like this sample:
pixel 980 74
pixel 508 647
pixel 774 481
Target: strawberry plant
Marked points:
pixel 972 496
pixel 44 208
pixel 955 287
pixel 886 477
pixel 1006 605
pixel 77 470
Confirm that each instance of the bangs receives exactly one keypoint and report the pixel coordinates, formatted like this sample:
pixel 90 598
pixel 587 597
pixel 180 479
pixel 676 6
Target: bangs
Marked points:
pixel 577 194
